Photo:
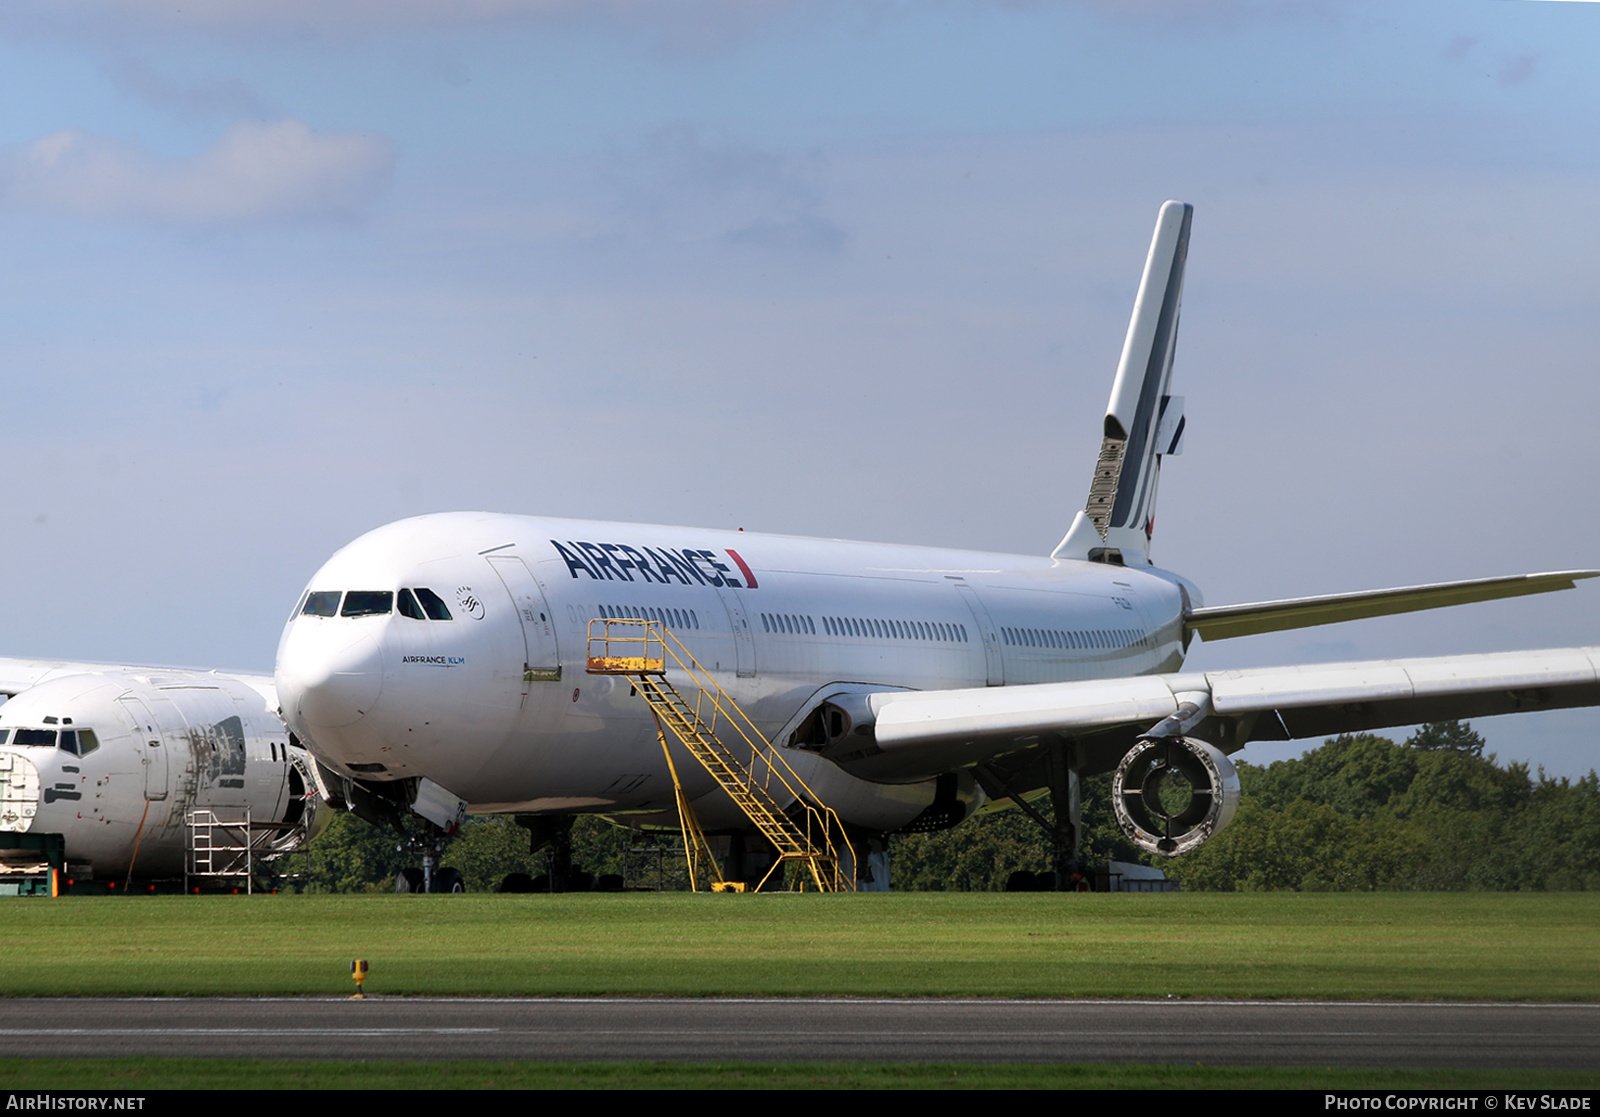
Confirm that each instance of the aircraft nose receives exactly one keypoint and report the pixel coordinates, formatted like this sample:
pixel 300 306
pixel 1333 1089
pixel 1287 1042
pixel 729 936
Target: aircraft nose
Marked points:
pixel 330 678
pixel 19 792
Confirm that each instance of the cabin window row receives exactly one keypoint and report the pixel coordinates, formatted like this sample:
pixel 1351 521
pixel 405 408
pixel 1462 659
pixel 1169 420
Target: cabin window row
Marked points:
pixel 681 619
pixel 794 624
pixel 419 604
pixel 874 628
pixel 1106 639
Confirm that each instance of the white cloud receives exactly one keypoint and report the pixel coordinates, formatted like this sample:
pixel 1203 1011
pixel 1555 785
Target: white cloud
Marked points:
pixel 255 172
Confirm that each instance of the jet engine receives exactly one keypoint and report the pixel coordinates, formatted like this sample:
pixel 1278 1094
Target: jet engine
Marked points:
pixel 1171 794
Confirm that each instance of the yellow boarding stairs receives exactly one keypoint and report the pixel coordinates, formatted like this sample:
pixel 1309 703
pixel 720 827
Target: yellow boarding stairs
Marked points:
pixel 639 649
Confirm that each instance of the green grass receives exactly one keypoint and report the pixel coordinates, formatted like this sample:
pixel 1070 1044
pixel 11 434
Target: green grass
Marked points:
pixel 137 1075
pixel 1502 947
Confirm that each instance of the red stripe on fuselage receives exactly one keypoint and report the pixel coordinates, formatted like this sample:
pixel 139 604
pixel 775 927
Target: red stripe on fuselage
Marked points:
pixel 744 568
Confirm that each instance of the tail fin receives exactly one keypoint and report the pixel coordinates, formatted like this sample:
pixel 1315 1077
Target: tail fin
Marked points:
pixel 1143 422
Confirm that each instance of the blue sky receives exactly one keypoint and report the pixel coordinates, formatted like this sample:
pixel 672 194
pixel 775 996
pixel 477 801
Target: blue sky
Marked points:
pixel 277 273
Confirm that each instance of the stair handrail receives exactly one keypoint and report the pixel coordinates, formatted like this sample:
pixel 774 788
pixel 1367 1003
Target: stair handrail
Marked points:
pixel 655 644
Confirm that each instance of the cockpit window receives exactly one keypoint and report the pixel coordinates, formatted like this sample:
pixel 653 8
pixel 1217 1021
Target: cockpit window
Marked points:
pixel 407 606
pixel 79 742
pixel 321 604
pixel 433 605
pixel 36 737
pixel 367 603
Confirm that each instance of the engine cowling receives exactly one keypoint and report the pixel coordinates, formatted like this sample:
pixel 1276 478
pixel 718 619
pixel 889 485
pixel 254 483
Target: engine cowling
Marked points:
pixel 1172 794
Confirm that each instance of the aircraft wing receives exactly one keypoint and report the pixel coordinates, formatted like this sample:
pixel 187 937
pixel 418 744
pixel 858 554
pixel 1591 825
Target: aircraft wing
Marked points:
pixel 18 675
pixel 1222 622
pixel 921 733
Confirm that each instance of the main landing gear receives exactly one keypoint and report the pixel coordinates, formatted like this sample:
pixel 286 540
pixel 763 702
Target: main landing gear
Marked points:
pixel 1054 769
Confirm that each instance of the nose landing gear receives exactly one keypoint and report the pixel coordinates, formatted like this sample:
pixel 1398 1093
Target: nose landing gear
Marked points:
pixel 428 843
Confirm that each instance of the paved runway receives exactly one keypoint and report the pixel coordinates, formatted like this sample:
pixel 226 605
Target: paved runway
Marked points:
pixel 1223 1033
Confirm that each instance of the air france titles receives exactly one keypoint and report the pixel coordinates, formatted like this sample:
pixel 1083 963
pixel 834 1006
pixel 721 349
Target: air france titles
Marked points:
pixel 618 562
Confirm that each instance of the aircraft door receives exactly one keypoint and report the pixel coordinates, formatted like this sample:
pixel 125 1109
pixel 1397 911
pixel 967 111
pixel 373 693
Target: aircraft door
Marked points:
pixel 541 663
pixel 744 648
pixel 148 734
pixel 986 633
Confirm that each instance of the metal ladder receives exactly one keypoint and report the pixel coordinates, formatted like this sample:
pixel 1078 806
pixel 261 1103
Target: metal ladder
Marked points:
pixel 802 832
pixel 219 847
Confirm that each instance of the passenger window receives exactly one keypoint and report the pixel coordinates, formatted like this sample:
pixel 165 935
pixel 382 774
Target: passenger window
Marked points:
pixel 324 603
pixel 433 605
pixel 367 603
pixel 408 606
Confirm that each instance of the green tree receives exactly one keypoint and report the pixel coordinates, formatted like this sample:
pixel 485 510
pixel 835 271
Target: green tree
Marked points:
pixel 1361 812
pixel 351 855
pixel 1452 736
pixel 490 847
pixel 980 855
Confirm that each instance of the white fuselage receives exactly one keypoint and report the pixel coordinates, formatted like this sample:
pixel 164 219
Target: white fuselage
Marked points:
pixel 113 759
pixel 493 703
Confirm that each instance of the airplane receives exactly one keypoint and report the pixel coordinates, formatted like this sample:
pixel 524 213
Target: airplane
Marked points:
pixel 436 665
pixel 114 757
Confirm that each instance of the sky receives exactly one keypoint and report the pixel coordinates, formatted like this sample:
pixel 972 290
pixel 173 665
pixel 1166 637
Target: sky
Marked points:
pixel 276 273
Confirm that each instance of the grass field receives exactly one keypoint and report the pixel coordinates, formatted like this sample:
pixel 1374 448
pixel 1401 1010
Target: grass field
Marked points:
pixel 1499 946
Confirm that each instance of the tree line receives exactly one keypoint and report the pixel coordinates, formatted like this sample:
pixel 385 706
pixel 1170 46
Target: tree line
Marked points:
pixel 1359 812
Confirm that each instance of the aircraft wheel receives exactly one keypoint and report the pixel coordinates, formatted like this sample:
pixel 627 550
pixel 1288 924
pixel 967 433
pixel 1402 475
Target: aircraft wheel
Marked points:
pixel 408 880
pixel 449 880
pixel 516 882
